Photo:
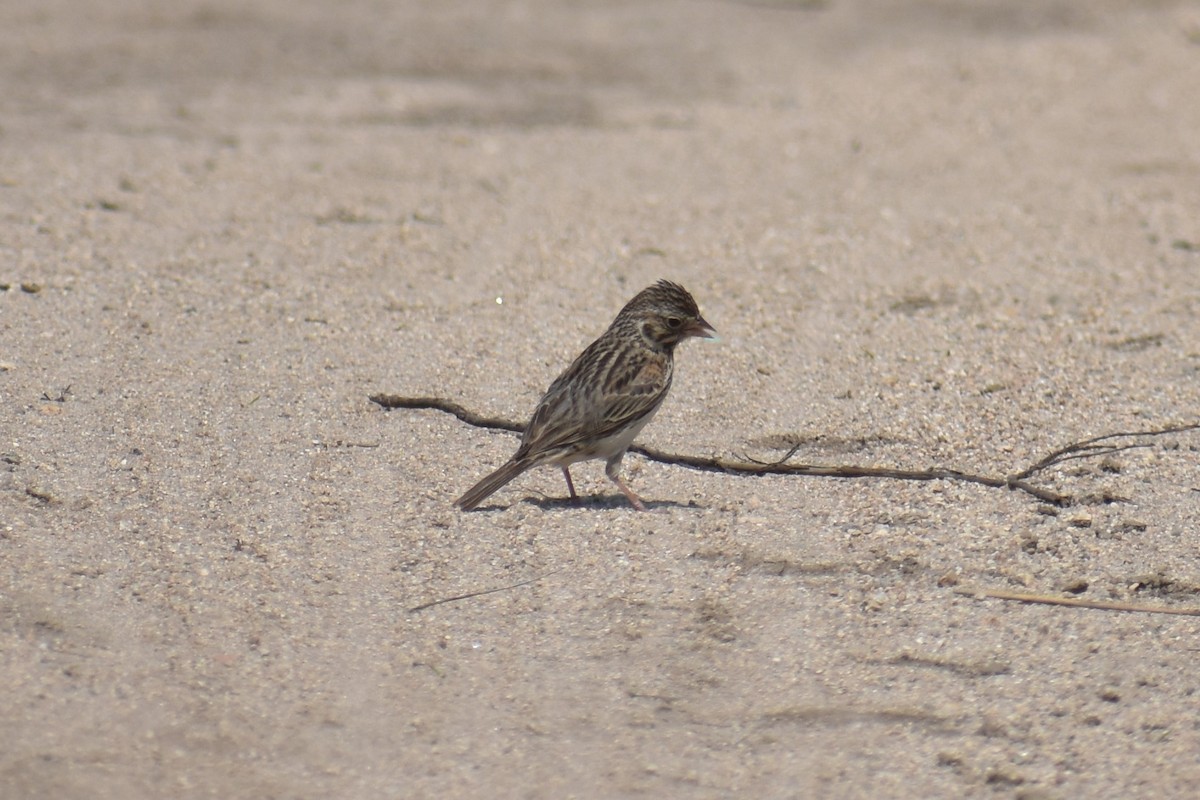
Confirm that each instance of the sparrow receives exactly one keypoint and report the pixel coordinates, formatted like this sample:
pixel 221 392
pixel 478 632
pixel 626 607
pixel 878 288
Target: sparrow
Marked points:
pixel 601 402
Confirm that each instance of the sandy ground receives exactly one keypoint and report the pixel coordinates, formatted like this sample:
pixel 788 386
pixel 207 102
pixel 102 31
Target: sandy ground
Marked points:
pixel 946 233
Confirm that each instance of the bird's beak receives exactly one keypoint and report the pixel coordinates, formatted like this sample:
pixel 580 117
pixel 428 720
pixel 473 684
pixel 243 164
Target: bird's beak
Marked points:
pixel 700 329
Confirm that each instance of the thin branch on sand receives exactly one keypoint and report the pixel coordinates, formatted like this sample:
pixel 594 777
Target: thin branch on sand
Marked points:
pixel 1075 602
pixel 1095 447
pixel 479 593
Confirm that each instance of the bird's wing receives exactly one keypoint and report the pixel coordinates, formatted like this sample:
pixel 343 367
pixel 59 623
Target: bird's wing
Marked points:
pixel 568 416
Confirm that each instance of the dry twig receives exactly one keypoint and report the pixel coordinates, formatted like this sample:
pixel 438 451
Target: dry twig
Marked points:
pixel 1076 602
pixel 1095 447
pixel 479 593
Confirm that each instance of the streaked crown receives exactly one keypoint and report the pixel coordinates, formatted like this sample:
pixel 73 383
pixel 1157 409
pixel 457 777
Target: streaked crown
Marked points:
pixel 666 314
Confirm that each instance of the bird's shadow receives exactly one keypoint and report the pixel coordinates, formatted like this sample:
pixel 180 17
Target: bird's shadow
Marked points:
pixel 598 502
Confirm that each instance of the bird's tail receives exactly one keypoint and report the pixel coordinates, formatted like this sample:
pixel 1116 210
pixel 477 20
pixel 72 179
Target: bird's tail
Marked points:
pixel 492 483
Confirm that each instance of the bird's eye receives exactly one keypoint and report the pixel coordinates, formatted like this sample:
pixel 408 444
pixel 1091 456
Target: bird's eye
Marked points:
pixel 674 322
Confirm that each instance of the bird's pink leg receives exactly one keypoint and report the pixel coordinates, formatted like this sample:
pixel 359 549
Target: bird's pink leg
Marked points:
pixel 611 469
pixel 570 485
pixel 633 498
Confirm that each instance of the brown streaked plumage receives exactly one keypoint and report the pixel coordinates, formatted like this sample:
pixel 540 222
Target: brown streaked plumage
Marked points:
pixel 602 401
